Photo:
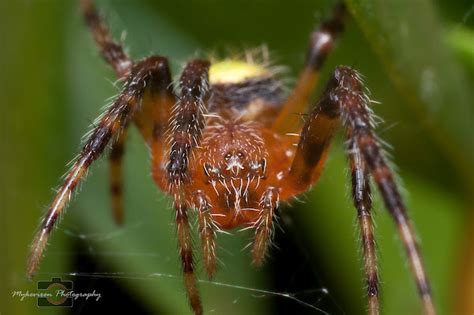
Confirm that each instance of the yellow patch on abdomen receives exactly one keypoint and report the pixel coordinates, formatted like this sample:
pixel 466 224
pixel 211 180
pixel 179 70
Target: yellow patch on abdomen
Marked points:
pixel 235 71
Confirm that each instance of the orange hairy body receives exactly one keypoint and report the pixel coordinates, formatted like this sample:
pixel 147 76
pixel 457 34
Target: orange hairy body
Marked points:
pixel 235 164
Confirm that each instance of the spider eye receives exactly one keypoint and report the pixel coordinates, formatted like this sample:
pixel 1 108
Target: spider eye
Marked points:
pixel 239 155
pixel 260 167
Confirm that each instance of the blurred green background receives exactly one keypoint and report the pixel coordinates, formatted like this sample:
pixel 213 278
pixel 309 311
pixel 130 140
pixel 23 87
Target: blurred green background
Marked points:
pixel 418 61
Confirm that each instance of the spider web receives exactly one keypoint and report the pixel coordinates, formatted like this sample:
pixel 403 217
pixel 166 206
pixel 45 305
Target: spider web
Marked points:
pixel 311 300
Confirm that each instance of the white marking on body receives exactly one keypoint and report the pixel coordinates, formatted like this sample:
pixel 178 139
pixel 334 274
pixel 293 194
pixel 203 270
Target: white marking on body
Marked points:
pixel 237 197
pixel 323 39
pixel 235 165
pixel 213 183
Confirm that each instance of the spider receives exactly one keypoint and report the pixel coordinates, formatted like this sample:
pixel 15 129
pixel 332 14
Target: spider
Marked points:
pixel 221 147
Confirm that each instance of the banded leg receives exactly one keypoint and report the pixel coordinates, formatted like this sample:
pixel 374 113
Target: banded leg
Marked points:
pixel 355 113
pixel 186 125
pixel 116 176
pixel 321 44
pixel 111 51
pixel 314 145
pixel 207 232
pixel 344 97
pixel 110 124
pixel 264 226
pixel 185 244
pixel 115 56
pixel 363 203
pixel 188 118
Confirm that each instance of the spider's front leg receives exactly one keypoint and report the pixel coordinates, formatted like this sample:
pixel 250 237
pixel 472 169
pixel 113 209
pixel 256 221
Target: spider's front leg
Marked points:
pixel 186 125
pixel 207 232
pixel 345 99
pixel 110 124
pixel 363 202
pixel 264 225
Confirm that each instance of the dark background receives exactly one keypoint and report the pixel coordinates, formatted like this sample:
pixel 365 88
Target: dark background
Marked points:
pixel 418 61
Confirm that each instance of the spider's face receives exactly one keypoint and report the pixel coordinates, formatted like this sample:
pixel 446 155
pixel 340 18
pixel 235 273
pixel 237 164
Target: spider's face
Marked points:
pixel 231 167
pixel 234 151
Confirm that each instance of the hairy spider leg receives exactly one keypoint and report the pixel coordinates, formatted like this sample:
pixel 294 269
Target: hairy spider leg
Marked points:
pixel 111 51
pixel 114 55
pixel 345 99
pixel 362 200
pixel 207 232
pixel 185 243
pixel 108 125
pixel 188 118
pixel 264 225
pixel 320 45
pixel 160 109
pixel 187 122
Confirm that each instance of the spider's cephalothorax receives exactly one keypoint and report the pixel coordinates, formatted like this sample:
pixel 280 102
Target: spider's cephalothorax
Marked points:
pixel 222 143
pixel 239 157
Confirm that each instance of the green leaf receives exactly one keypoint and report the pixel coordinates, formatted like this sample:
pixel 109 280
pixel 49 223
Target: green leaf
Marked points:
pixel 29 85
pixel 461 39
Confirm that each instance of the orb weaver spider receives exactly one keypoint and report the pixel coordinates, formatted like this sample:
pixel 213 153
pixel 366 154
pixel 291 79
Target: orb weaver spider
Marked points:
pixel 222 146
